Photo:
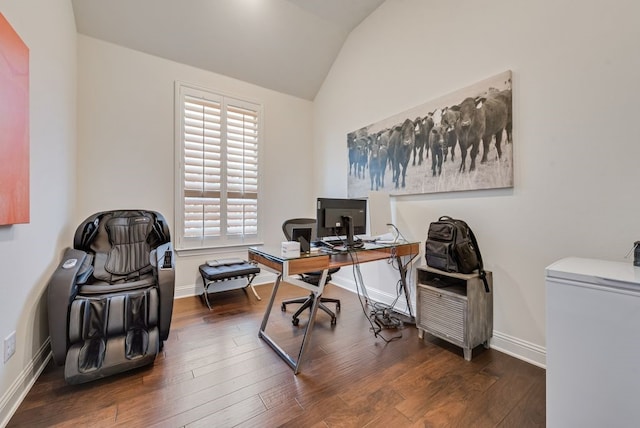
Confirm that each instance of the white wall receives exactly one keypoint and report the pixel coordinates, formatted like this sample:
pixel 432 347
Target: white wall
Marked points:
pixel 126 142
pixel 30 252
pixel 575 72
pixel 575 79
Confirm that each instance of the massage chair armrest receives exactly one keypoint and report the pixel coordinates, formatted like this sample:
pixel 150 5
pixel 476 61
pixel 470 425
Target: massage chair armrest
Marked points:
pixel 164 260
pixel 61 290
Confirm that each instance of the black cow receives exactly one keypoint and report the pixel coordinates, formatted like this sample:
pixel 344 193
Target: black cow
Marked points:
pixel 470 128
pixel 505 96
pixel 496 117
pixel 395 135
pixel 402 152
pixel 421 138
pixel 353 153
pixel 437 141
pixel 385 141
pixel 362 159
pixel 449 119
pixel 377 164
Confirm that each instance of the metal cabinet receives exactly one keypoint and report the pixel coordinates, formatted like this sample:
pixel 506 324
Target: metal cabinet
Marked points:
pixel 455 307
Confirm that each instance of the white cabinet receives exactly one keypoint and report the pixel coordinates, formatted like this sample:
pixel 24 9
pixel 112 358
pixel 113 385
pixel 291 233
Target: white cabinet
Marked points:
pixel 455 307
pixel 593 344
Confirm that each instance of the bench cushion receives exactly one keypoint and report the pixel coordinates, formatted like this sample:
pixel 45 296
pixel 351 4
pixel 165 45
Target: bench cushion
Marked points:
pixel 222 272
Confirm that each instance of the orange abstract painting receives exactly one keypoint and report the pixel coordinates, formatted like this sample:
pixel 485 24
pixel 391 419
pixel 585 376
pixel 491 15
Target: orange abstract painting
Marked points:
pixel 14 126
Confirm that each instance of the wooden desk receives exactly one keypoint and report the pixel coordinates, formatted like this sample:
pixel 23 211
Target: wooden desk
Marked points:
pixel 287 268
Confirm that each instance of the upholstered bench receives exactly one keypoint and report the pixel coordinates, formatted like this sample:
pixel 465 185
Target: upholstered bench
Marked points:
pixel 216 271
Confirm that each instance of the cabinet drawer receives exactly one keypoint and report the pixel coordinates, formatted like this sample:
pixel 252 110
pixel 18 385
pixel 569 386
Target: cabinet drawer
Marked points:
pixel 442 314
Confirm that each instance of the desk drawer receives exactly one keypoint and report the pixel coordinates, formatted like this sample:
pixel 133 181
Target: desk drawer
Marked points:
pixel 442 314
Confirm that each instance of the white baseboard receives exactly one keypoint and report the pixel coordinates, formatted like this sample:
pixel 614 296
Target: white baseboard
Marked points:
pixel 381 296
pixel 11 399
pixel 521 349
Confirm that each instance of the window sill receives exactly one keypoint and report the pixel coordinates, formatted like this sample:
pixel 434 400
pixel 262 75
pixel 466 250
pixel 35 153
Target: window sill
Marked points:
pixel 218 249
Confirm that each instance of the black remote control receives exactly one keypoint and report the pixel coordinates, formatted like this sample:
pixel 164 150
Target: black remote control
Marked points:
pixel 167 260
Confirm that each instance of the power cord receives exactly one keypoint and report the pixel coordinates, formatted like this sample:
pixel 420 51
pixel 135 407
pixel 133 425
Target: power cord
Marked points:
pixel 398 233
pixel 380 317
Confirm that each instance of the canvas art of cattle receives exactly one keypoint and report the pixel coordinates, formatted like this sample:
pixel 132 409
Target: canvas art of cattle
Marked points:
pixel 461 141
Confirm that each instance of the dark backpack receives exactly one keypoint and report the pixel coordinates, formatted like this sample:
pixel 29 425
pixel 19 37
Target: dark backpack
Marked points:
pixel 452 247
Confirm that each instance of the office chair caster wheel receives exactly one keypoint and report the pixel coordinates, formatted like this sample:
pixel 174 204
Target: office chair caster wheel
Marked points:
pixel 337 307
pixel 295 321
pixel 283 308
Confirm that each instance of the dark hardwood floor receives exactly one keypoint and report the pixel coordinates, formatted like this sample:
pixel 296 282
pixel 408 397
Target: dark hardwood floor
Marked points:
pixel 214 371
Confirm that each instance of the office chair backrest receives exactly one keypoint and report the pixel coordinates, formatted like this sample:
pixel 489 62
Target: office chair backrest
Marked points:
pixel 299 223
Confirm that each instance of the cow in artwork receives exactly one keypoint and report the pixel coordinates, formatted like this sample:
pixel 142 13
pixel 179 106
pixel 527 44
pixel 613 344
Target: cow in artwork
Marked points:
pixel 421 140
pixel 402 152
pixel 395 135
pixel 496 117
pixel 470 128
pixel 437 141
pixel 505 97
pixel 449 119
pixel 377 163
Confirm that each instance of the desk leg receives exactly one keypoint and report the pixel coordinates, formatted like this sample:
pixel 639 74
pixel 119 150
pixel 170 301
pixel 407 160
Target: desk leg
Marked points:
pixel 403 280
pixel 295 365
pixel 308 330
pixel 262 333
pixel 265 319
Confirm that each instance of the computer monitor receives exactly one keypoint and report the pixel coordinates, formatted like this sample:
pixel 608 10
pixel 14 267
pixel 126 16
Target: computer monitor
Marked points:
pixel 341 217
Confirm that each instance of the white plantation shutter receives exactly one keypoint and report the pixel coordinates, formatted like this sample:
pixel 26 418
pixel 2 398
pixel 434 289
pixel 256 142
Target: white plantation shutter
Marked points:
pixel 242 170
pixel 219 146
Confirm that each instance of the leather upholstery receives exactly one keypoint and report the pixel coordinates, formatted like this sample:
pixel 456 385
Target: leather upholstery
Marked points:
pixel 116 299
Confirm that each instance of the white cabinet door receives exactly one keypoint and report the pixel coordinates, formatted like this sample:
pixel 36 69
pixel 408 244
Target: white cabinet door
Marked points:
pixel 593 344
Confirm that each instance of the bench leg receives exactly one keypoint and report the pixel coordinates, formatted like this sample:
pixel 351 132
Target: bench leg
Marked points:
pixel 205 295
pixel 249 284
pixel 206 283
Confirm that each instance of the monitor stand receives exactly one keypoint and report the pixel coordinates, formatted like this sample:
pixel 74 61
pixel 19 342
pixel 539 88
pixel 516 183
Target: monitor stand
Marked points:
pixel 348 225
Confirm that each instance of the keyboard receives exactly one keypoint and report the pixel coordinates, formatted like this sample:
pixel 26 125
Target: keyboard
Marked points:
pixel 328 243
pixel 337 244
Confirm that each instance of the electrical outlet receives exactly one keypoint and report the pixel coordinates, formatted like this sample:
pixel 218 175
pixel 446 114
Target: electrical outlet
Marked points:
pixel 9 346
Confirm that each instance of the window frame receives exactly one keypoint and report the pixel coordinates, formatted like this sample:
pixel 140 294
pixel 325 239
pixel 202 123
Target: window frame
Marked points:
pixel 224 241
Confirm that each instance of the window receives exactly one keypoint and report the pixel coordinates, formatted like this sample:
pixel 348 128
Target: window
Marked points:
pixel 217 141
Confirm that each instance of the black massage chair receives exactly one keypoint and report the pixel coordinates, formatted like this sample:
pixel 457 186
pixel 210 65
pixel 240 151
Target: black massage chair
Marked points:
pixel 110 300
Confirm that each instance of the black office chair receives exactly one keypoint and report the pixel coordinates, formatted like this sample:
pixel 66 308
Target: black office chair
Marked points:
pixel 310 277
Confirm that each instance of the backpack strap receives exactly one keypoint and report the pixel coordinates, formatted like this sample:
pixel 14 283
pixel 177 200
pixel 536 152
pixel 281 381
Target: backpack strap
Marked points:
pixel 483 274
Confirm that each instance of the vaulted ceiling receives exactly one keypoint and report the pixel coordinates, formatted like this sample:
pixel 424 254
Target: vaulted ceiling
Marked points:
pixel 284 45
